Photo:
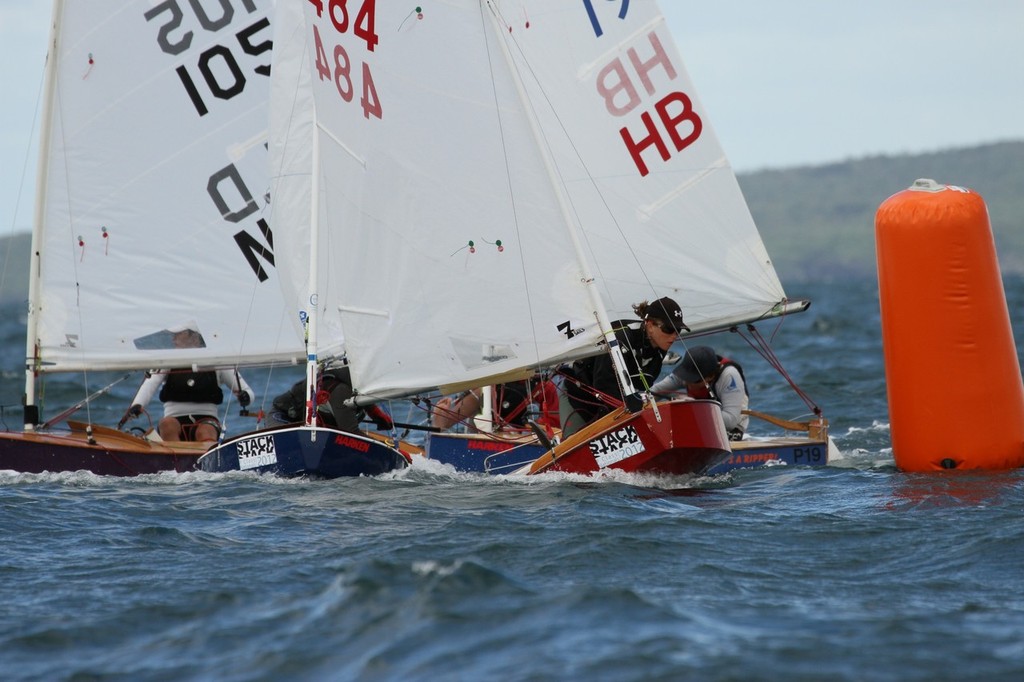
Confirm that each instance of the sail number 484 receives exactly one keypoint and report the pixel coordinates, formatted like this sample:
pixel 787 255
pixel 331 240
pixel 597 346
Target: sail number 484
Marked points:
pixel 339 66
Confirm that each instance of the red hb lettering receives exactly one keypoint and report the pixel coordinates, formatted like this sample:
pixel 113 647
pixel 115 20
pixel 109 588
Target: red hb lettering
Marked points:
pixel 675 110
pixel 671 123
pixel 643 69
pixel 610 91
pixel 622 83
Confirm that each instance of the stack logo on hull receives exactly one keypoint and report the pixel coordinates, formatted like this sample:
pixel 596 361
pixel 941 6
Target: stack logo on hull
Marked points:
pixel 256 452
pixel 616 446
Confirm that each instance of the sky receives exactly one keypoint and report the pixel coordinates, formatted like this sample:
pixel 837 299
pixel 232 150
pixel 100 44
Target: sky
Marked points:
pixel 785 83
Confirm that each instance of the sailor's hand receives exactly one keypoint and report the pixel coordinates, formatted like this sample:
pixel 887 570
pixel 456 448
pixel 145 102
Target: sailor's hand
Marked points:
pixel 133 411
pixel 634 402
pixel 443 408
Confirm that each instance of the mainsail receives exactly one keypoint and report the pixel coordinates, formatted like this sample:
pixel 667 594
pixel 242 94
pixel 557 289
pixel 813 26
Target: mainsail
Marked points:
pixel 491 169
pixel 151 214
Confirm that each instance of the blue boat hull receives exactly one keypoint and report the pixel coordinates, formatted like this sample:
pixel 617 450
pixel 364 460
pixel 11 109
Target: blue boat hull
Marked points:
pixel 749 454
pixel 305 451
pixel 496 455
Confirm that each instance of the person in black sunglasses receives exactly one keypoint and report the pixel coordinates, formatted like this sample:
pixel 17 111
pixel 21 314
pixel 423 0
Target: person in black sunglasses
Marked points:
pixel 591 387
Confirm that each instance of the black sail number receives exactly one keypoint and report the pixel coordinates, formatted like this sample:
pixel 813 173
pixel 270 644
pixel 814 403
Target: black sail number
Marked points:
pixel 217 73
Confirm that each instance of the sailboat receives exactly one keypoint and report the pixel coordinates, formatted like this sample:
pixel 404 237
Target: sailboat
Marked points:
pixel 149 215
pixel 500 180
pixel 633 155
pixel 487 444
pixel 310 448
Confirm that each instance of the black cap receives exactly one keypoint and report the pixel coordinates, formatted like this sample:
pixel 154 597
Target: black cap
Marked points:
pixel 668 312
pixel 699 364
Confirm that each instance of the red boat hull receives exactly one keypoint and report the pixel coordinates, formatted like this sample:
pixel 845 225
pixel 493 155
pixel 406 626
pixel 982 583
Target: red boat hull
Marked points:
pixel 681 437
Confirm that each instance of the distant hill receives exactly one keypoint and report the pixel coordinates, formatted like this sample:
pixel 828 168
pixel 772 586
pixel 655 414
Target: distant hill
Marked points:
pixel 817 221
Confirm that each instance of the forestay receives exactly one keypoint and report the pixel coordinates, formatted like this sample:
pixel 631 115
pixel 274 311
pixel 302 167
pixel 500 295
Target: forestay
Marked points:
pixel 291 163
pixel 463 144
pixel 151 210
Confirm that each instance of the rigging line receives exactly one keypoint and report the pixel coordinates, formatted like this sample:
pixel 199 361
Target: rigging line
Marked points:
pixel 765 351
pixel 287 142
pixel 598 397
pixel 566 210
pixel 21 181
pixel 780 319
pixel 285 321
pixel 255 289
pixel 30 329
pixel 508 175
pixel 589 175
pixel 764 348
pixel 287 138
pixel 57 89
pixel 71 410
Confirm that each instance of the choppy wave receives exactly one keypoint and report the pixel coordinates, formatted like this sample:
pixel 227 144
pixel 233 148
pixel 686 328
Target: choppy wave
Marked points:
pixel 854 571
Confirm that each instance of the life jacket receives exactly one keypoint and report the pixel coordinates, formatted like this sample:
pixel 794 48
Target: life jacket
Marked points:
pixel 707 390
pixel 292 403
pixel 591 384
pixel 328 381
pixel 512 401
pixel 545 395
pixel 192 387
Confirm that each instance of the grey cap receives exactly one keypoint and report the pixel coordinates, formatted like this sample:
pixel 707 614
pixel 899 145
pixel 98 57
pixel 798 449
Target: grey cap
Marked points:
pixel 699 363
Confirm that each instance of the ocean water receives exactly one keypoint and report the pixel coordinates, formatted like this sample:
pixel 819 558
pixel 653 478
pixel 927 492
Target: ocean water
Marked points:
pixel 854 571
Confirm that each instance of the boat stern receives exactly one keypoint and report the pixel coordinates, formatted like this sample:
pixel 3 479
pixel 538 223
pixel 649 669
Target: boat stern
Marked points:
pixel 673 437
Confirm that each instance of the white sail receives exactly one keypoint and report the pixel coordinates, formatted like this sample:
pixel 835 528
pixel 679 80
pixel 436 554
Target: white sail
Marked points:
pixel 291 164
pixel 152 214
pixel 464 144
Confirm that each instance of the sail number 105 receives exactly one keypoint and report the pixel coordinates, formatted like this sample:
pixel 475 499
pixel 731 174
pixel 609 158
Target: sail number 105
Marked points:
pixel 339 66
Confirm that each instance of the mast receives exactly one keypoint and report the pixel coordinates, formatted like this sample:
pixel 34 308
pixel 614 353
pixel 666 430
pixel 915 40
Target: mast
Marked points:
pixel 31 410
pixel 312 300
pixel 603 322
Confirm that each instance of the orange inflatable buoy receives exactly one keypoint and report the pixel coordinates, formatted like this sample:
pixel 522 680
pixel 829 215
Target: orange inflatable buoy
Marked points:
pixel 956 400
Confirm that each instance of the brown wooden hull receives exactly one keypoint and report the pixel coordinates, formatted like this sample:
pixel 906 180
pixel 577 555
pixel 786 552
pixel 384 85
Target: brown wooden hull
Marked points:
pixel 108 452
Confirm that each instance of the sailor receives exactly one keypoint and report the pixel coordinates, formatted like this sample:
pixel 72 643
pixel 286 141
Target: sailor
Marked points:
pixel 333 389
pixel 190 398
pixel 703 373
pixel 512 402
pixel 591 388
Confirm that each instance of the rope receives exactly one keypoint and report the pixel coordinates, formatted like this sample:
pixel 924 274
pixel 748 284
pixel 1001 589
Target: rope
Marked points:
pixel 764 349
